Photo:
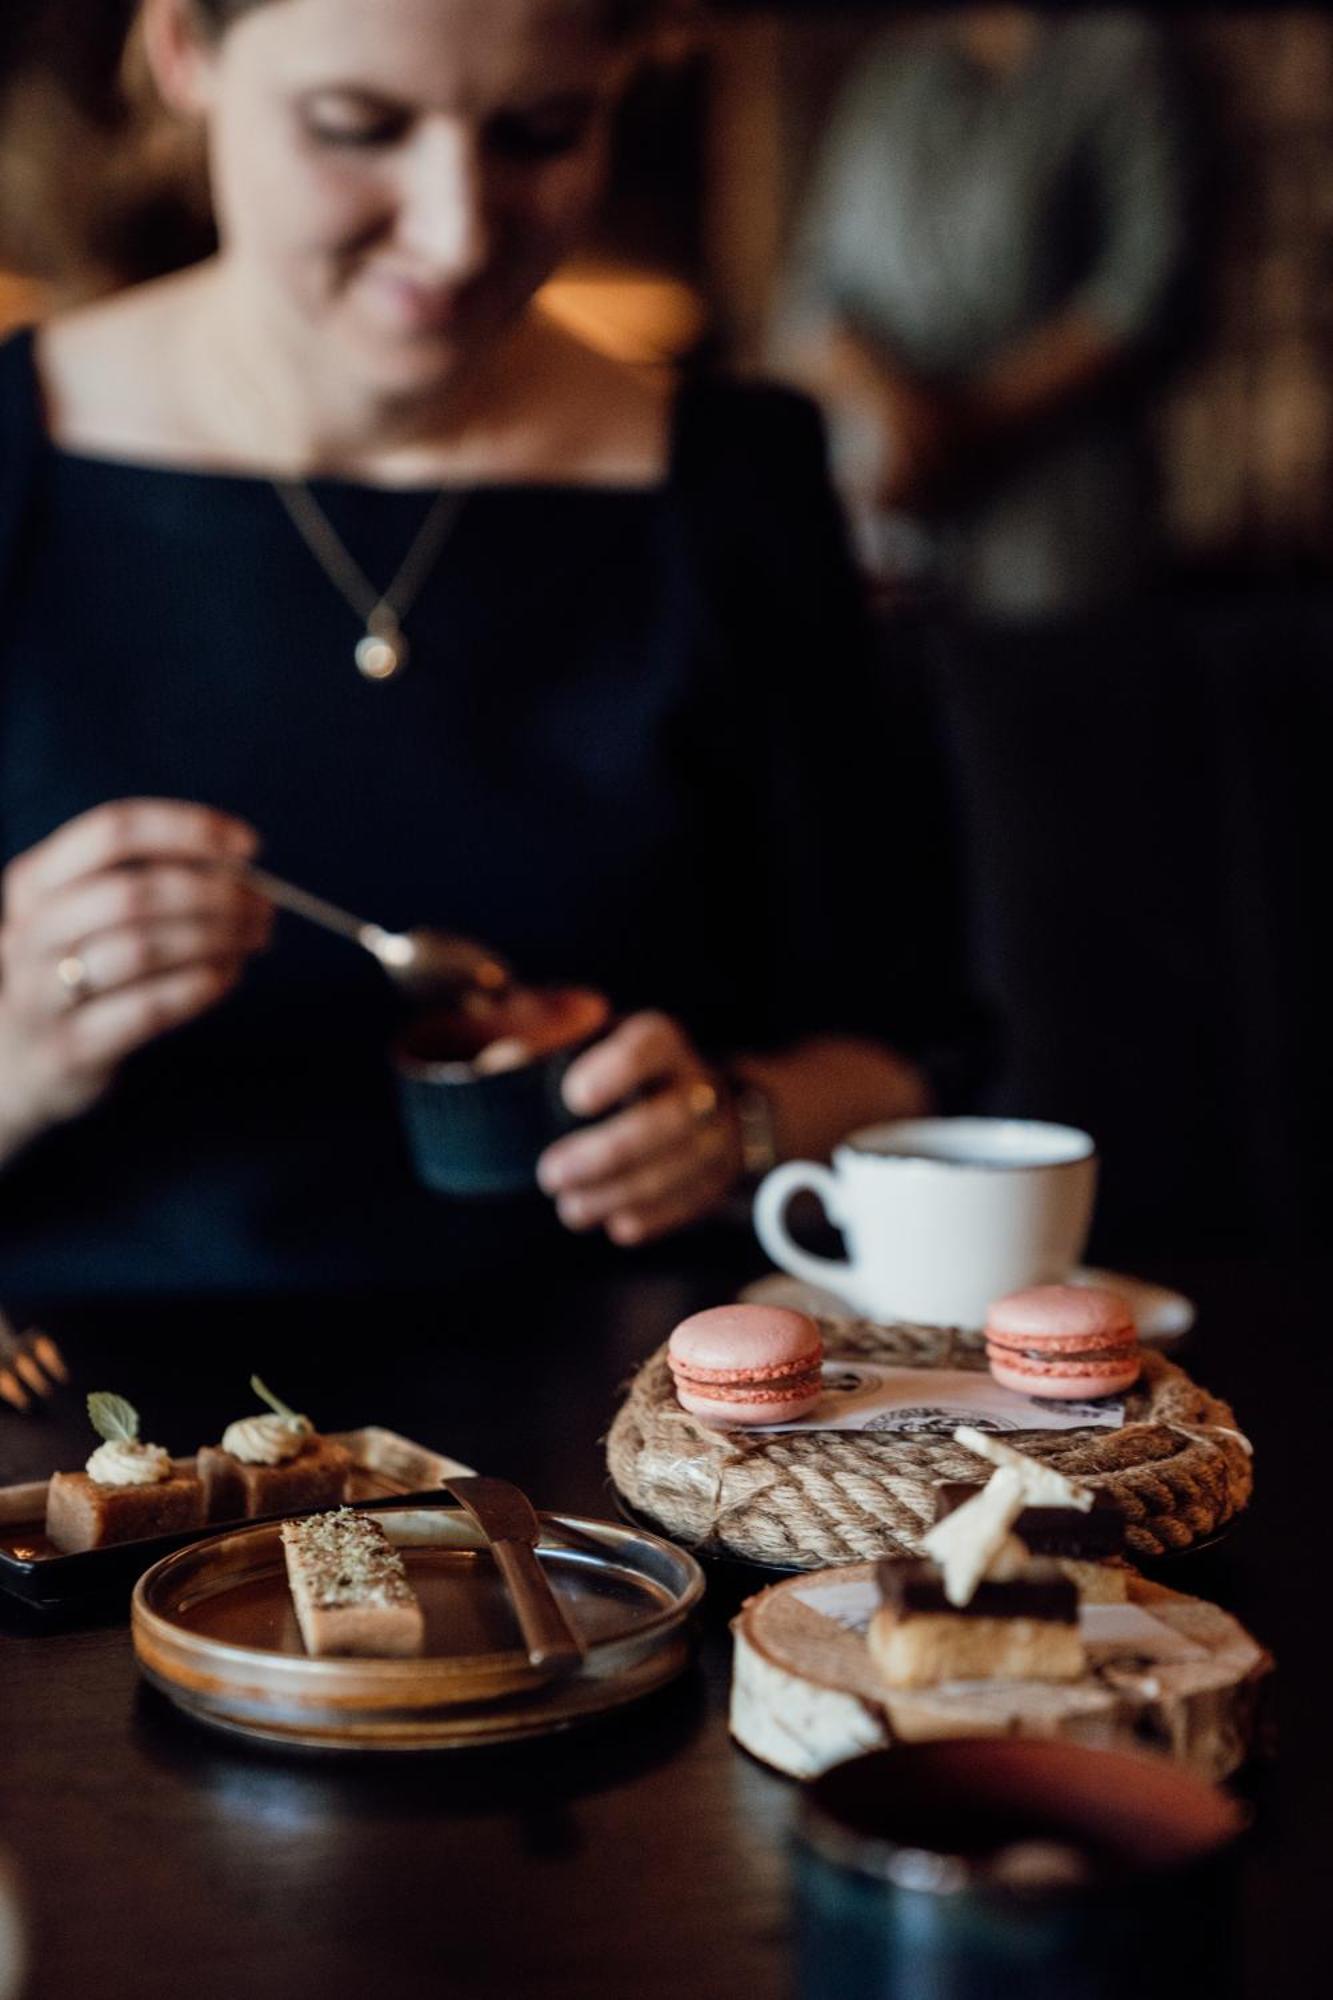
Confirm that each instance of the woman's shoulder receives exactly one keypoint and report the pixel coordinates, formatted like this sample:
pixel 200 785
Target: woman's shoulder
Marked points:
pixel 104 367
pixel 752 478
pixel 20 432
pixel 18 398
pixel 762 435
pixel 609 413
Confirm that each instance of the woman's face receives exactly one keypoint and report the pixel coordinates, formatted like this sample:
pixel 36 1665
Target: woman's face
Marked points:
pixel 403 174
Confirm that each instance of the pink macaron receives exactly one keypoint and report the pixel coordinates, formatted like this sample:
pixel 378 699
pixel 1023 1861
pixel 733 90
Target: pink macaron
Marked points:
pixel 747 1364
pixel 1063 1341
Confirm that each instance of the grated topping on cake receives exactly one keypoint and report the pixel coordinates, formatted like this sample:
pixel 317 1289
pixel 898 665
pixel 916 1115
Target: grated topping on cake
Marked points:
pixel 346 1558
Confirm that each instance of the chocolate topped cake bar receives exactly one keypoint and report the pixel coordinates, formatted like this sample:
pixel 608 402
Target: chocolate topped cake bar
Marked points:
pixel 1089 1545
pixel 1042 1591
pixel 1051 1531
pixel 1020 1627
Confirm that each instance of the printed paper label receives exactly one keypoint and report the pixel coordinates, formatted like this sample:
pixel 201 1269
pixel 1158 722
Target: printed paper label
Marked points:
pixel 862 1395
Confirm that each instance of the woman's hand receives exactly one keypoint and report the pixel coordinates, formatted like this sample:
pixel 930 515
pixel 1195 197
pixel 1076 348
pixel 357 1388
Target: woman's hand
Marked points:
pixel 656 1163
pixel 117 928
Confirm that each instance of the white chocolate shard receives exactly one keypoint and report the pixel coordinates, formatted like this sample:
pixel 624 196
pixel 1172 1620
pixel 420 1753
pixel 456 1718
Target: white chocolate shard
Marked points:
pixel 966 1542
pixel 1043 1486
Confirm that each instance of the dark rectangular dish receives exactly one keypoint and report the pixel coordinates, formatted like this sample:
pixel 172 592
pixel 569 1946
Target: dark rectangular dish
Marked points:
pixel 384 1467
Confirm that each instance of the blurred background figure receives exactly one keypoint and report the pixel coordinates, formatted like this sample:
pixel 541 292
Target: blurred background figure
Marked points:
pixel 987 263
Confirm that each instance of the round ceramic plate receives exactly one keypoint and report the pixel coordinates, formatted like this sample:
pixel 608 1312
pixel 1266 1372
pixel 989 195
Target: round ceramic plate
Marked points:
pixel 215 1631
pixel 1164 1317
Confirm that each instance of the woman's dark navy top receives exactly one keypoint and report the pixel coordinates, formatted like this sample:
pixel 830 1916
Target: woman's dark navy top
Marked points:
pixel 634 748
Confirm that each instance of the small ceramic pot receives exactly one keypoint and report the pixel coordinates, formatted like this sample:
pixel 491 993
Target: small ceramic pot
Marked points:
pixel 481 1093
pixel 983 1868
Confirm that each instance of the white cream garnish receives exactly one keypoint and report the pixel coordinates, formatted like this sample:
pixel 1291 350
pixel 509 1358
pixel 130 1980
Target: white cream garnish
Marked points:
pixel 266 1440
pixel 126 1462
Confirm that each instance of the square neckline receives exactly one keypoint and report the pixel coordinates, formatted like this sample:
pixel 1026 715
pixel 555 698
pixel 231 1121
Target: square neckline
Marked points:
pixel 24 339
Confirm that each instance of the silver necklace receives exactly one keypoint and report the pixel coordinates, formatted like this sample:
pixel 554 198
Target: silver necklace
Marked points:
pixel 382 650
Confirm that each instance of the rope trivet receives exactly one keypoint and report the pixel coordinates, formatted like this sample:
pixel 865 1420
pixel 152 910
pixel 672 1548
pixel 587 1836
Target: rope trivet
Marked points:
pixel 1178 1469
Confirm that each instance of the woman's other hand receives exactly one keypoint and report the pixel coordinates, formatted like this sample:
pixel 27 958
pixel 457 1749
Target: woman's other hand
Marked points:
pixel 117 928
pixel 667 1151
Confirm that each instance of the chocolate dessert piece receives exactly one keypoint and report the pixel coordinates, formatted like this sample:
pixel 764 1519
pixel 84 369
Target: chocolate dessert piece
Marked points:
pixel 234 1491
pixel 83 1514
pixel 1021 1627
pixel 350 1588
pixel 910 1588
pixel 1051 1531
pixel 1089 1546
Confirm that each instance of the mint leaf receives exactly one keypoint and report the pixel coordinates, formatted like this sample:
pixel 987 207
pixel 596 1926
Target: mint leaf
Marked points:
pixel 114 1420
pixel 276 1404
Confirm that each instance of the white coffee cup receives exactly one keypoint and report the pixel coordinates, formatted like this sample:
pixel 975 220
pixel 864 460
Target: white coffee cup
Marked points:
pixel 940 1215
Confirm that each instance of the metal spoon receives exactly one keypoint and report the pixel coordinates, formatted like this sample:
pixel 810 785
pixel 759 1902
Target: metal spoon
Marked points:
pixel 426 964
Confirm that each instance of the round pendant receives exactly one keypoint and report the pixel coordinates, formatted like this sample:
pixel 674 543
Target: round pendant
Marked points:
pixel 381 655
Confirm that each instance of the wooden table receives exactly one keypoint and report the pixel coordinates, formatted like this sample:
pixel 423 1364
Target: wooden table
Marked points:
pixel 640 1860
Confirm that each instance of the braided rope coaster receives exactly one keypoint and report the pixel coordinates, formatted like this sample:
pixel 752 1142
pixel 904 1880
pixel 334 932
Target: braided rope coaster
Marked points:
pixel 1179 1469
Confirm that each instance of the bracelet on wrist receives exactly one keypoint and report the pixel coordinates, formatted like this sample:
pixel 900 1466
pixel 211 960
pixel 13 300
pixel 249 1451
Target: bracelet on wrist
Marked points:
pixel 756 1122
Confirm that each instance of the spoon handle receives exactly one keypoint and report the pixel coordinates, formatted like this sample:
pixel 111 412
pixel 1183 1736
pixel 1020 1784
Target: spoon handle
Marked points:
pixel 314 908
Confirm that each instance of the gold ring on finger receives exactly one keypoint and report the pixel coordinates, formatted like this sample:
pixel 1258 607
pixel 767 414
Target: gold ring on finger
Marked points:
pixel 76 984
pixel 703 1100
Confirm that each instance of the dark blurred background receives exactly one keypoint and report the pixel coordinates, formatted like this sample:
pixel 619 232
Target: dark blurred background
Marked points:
pixel 1133 758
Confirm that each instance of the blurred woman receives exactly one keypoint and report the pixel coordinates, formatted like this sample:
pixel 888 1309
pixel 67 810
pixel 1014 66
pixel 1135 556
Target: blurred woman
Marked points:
pixel 612 718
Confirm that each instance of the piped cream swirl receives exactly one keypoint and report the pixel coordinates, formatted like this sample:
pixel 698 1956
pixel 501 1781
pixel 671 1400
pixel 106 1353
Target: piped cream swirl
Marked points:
pixel 266 1440
pixel 126 1462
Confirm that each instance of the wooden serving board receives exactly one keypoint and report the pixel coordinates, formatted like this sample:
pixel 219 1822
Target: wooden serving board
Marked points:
pixel 805 1692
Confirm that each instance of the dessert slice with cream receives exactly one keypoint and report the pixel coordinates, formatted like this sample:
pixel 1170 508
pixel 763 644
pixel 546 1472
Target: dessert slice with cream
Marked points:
pixel 273 1462
pixel 1020 1627
pixel 350 1588
pixel 127 1491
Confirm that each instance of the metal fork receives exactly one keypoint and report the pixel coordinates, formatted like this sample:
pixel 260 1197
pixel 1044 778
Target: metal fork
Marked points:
pixel 30 1365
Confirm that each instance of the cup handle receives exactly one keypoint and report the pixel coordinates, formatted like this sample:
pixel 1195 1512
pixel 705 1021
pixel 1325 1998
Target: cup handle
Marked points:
pixel 770 1223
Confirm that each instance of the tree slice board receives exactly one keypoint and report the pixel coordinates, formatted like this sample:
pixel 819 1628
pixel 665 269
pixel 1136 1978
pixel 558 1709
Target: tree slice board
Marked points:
pixel 1184 1680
